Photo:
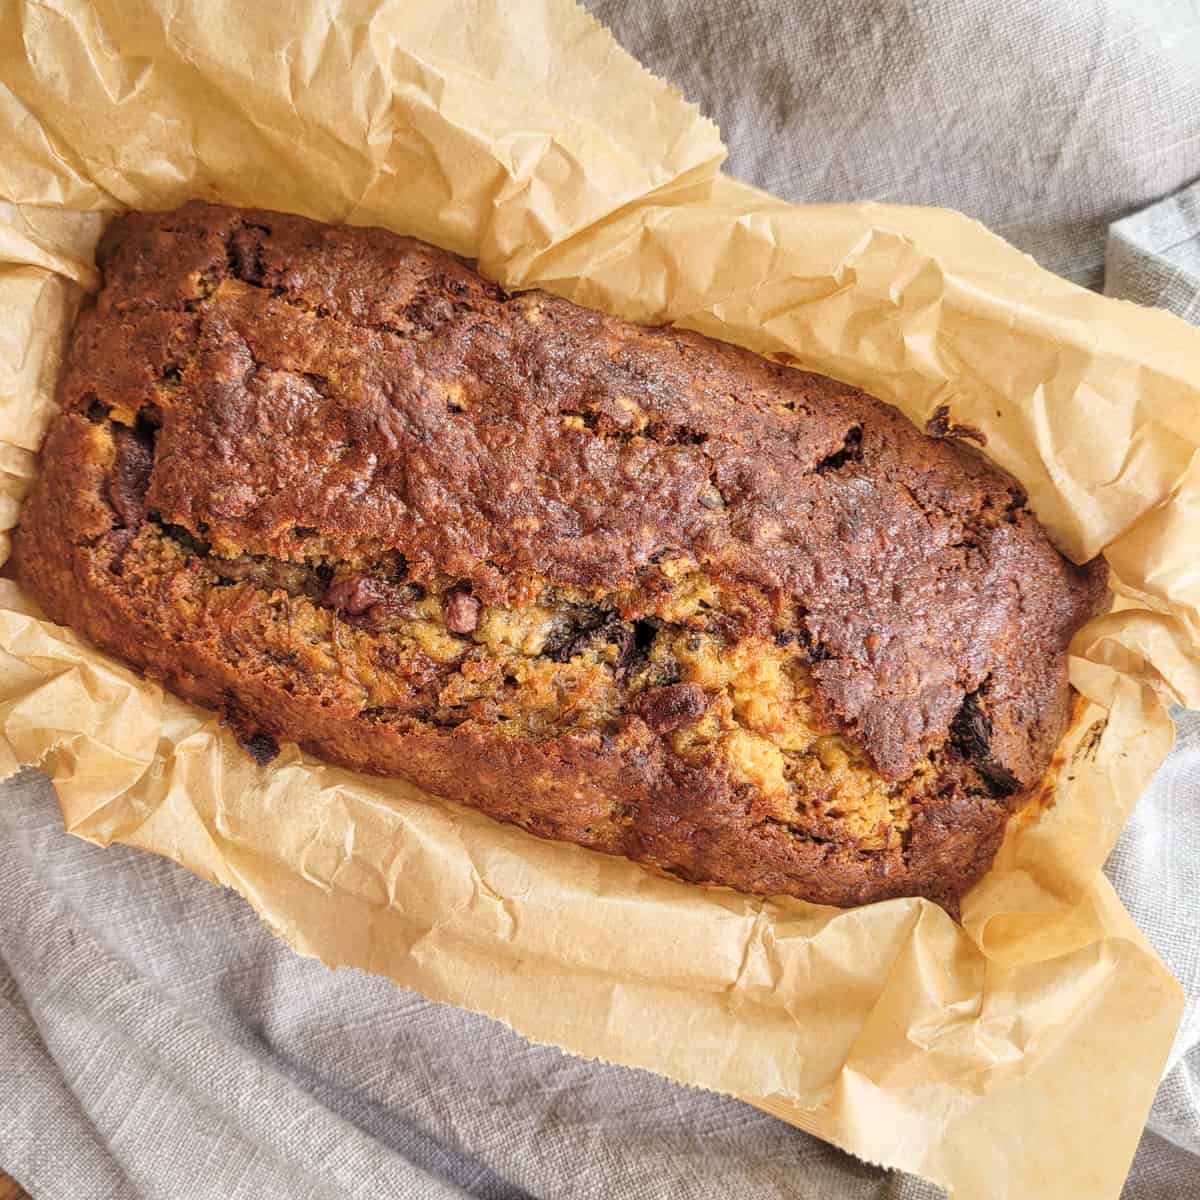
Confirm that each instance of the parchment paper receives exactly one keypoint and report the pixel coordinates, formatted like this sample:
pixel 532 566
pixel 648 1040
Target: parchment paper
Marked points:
pixel 1015 1055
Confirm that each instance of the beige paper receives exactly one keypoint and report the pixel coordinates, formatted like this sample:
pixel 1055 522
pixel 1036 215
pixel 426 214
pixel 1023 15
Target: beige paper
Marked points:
pixel 1013 1056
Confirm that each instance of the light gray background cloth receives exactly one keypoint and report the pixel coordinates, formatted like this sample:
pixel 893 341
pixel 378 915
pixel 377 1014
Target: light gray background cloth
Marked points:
pixel 156 1041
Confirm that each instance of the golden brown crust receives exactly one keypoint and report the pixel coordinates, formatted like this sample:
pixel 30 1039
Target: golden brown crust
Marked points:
pixel 628 587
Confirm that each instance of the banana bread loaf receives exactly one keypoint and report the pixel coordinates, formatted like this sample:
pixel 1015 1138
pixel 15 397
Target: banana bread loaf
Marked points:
pixel 627 587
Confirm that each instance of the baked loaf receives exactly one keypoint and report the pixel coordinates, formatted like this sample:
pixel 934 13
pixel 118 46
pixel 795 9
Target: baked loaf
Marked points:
pixel 626 587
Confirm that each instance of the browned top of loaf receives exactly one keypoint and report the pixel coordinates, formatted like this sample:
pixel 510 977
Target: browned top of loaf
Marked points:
pixel 494 438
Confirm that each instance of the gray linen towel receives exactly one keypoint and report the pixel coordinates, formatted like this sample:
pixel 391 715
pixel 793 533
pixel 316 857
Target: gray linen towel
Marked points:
pixel 156 1041
pixel 1154 255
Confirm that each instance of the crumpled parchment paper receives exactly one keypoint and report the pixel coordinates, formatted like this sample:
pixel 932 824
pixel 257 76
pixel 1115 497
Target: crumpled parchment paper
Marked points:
pixel 1014 1055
